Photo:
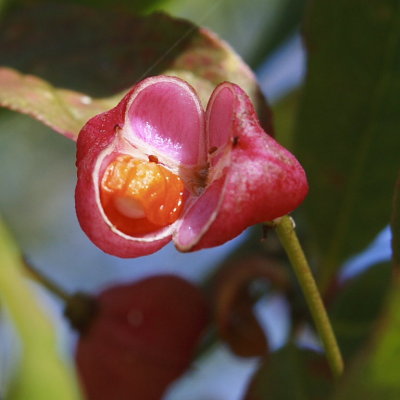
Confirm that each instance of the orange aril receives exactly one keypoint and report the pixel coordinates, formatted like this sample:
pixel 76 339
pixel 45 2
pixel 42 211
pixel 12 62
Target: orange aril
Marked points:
pixel 140 196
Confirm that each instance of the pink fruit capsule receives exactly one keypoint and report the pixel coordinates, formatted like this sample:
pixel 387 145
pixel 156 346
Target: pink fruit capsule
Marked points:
pixel 210 174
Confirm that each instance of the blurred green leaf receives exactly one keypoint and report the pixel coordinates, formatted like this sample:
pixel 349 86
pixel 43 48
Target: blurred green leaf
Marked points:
pixel 37 179
pixel 2 6
pixel 395 225
pixel 291 374
pixel 254 28
pixel 134 6
pixel 103 59
pixel 358 305
pixel 40 374
pixel 284 112
pixel 348 127
pixel 375 374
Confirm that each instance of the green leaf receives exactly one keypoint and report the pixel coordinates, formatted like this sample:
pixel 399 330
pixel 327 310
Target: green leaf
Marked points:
pixel 348 128
pixel 395 225
pixel 2 6
pixel 291 374
pixel 254 28
pixel 284 112
pixel 375 374
pixel 104 59
pixel 41 371
pixel 357 306
pixel 134 6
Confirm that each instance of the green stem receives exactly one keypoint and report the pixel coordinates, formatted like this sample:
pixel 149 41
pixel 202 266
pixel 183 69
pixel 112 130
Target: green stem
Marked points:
pixel 79 307
pixel 34 274
pixel 287 235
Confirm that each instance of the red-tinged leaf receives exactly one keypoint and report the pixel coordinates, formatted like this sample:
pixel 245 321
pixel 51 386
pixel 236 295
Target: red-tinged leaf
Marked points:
pixel 104 59
pixel 142 338
pixel 63 110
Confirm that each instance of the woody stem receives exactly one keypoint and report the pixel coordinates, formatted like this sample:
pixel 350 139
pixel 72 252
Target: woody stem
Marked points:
pixel 37 276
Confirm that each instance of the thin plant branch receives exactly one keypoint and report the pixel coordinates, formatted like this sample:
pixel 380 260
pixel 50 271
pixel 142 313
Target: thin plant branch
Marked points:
pixel 286 232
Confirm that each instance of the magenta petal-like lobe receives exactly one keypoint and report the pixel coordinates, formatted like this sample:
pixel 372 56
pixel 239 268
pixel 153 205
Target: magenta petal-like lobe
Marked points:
pixel 219 121
pixel 98 136
pixel 165 114
pixel 198 217
pixel 261 179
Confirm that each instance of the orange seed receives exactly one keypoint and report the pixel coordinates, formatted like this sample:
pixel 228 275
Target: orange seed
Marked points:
pixel 140 197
